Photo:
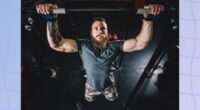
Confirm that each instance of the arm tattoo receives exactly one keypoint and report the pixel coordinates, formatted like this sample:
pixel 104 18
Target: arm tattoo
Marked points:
pixel 54 33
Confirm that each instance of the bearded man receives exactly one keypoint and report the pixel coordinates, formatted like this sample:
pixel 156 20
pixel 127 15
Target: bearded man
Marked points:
pixel 98 53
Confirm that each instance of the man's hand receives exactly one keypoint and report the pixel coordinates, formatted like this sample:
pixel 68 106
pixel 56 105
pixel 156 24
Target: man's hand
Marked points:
pixel 155 9
pixel 45 8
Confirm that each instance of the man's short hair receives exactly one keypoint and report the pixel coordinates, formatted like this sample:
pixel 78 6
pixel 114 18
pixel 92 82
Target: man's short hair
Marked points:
pixel 98 19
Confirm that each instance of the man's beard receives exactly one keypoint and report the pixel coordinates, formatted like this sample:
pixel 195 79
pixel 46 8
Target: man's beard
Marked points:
pixel 99 44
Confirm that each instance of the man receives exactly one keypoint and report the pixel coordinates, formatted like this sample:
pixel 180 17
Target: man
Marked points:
pixel 98 53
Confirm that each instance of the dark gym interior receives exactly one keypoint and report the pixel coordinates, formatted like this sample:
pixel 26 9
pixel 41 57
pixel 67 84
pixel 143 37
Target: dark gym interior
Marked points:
pixel 146 79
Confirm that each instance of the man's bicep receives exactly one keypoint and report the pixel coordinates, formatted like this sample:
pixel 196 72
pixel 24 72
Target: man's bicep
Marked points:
pixel 129 45
pixel 70 45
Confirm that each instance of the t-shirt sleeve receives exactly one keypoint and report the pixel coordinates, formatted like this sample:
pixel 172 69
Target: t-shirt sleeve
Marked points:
pixel 81 43
pixel 120 44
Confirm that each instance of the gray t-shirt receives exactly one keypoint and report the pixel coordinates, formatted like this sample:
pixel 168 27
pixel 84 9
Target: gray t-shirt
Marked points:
pixel 97 62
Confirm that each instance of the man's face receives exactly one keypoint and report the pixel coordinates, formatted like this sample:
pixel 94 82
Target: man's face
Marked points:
pixel 99 31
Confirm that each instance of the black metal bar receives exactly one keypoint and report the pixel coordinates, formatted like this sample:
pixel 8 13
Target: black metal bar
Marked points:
pixel 66 10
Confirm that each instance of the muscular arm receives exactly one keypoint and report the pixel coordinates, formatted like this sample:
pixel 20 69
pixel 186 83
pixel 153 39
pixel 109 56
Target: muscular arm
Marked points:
pixel 57 42
pixel 145 35
pixel 142 39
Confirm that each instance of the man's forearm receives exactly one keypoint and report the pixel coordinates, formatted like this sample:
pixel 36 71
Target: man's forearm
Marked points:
pixel 146 32
pixel 53 35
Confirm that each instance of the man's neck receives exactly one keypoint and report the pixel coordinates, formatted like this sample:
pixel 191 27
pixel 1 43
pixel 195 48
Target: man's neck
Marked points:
pixel 102 46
